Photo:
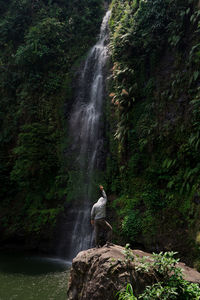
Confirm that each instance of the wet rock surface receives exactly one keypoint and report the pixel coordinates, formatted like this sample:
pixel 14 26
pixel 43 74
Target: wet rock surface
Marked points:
pixel 98 274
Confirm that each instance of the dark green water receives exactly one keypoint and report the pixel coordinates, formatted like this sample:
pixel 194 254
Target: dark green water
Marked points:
pixel 25 277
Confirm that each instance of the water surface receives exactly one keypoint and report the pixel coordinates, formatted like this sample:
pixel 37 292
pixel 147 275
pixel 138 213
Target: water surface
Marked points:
pixel 25 277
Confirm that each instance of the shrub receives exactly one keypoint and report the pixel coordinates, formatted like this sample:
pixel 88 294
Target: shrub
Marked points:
pixel 170 283
pixel 131 225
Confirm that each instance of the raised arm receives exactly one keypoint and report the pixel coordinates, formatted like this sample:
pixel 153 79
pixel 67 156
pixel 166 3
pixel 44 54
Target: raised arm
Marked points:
pixel 103 192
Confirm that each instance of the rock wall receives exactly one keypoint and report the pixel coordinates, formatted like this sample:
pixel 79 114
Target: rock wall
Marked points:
pixel 100 273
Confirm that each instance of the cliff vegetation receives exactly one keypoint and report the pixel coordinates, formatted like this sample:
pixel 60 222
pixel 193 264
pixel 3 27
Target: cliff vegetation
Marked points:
pixel 152 117
pixel 154 165
pixel 40 43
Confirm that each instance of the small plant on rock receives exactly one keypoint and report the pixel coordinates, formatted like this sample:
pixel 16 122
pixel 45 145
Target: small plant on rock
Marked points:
pixel 127 293
pixel 170 283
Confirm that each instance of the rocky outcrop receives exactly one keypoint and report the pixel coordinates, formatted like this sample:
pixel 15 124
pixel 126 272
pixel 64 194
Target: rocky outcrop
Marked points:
pixel 98 274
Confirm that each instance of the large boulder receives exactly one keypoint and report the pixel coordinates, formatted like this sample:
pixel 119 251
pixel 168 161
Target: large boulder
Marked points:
pixel 99 273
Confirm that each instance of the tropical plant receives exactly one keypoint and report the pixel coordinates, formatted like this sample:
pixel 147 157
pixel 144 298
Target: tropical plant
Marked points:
pixel 170 283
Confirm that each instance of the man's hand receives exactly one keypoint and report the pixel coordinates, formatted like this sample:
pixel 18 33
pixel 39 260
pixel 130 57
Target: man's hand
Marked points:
pixel 101 187
pixel 92 222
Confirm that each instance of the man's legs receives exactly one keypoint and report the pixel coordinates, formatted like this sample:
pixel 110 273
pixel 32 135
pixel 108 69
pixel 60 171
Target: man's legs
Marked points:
pixel 102 223
pixel 109 232
pixel 96 232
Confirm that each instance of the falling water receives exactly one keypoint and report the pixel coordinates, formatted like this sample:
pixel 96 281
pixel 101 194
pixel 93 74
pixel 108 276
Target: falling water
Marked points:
pixel 87 141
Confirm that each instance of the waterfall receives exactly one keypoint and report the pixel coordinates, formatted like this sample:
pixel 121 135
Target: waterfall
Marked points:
pixel 85 127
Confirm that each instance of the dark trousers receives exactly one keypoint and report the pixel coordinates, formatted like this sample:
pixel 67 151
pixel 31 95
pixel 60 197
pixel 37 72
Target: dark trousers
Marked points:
pixel 102 224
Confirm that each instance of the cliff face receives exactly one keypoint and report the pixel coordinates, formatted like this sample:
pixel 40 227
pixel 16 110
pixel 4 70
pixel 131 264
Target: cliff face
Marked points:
pixel 100 273
pixel 154 163
pixel 40 44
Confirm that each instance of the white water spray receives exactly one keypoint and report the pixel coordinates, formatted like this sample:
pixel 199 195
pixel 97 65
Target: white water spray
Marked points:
pixel 87 140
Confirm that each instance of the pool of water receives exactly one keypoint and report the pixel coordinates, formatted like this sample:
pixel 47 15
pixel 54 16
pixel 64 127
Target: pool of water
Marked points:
pixel 27 277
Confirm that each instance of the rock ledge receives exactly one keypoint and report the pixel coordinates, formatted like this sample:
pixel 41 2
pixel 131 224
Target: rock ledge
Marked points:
pixel 100 273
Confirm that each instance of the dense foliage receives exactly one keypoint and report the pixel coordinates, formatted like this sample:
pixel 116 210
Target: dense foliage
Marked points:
pixel 153 166
pixel 155 99
pixel 169 281
pixel 40 42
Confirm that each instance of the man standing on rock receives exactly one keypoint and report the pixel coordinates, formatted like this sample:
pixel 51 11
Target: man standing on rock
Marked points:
pixel 98 214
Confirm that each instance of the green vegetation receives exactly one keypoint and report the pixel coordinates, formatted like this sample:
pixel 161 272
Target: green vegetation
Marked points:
pixel 40 44
pixel 155 102
pixel 169 282
pixel 153 166
pixel 127 294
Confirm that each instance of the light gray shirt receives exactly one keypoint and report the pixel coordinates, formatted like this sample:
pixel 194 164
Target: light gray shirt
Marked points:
pixel 99 208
